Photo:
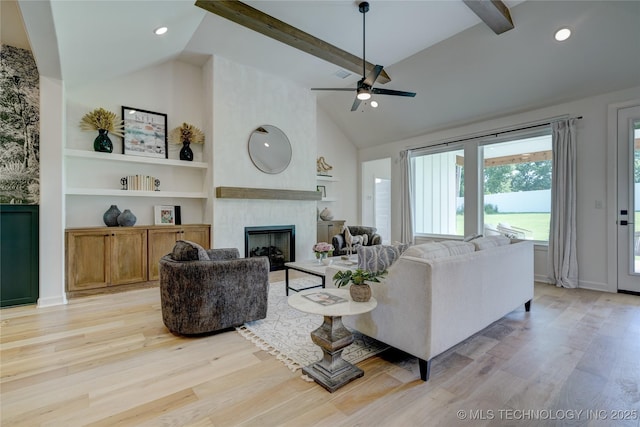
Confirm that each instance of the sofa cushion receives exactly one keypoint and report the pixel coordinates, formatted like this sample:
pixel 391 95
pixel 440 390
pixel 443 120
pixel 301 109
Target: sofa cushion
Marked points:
pixel 457 247
pixel 379 257
pixel 431 250
pixel 490 242
pixel 185 250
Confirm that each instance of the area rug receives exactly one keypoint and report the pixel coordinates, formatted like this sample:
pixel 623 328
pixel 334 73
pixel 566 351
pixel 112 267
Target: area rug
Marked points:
pixel 285 332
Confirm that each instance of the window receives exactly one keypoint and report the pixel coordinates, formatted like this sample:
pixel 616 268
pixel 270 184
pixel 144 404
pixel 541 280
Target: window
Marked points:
pixel 517 188
pixel 513 194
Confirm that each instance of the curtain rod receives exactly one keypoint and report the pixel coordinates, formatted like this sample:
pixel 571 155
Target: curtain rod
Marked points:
pixel 546 122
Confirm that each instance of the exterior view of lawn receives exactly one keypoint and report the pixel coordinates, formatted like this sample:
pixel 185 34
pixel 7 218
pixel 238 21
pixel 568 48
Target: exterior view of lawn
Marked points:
pixel 536 222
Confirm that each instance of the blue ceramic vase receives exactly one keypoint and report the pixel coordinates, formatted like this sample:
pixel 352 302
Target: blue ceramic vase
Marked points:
pixel 110 217
pixel 126 218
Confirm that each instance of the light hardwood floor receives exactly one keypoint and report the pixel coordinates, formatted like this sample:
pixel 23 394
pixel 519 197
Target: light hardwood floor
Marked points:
pixel 108 360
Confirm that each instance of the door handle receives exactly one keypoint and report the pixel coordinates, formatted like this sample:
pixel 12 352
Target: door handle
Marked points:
pixel 625 222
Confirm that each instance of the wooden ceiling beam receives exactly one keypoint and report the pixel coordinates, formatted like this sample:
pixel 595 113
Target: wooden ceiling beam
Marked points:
pixel 252 18
pixel 494 13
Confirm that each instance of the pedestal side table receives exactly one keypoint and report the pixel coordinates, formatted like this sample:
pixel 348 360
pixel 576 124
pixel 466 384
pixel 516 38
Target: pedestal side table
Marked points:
pixel 332 371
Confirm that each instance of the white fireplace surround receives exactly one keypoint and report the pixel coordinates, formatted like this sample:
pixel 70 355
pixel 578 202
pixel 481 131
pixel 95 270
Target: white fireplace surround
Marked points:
pixel 289 107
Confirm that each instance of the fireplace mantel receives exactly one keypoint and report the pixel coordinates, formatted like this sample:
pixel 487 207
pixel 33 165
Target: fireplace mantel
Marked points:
pixel 265 193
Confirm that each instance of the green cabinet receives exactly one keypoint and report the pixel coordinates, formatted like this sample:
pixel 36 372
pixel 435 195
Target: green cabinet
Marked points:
pixel 18 254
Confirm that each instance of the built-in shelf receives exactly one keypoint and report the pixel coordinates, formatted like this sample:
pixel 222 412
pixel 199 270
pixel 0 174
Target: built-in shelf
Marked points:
pixel 126 193
pixel 329 199
pixel 265 193
pixel 326 178
pixel 133 159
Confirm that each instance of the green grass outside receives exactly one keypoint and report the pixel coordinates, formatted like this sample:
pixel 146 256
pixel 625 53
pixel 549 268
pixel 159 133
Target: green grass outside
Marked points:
pixel 538 223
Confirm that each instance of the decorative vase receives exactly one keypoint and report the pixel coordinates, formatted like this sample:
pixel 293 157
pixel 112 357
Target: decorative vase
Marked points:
pixel 185 151
pixel 126 218
pixel 110 217
pixel 360 293
pixel 102 142
pixel 326 215
pixel 320 256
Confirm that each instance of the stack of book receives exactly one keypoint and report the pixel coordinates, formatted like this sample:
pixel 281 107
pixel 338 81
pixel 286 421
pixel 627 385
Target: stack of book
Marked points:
pixel 140 183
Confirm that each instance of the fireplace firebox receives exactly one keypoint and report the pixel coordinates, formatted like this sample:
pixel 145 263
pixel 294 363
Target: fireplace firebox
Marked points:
pixel 277 242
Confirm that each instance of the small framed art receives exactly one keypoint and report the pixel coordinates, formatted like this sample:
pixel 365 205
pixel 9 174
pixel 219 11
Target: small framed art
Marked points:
pixel 165 215
pixel 322 189
pixel 145 133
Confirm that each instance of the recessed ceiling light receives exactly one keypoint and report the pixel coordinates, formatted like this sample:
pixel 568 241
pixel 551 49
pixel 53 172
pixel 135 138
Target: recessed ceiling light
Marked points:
pixel 562 34
pixel 374 104
pixel 160 31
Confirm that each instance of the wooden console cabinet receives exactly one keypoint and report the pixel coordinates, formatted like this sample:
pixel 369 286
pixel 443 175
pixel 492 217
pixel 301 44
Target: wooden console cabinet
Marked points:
pixel 328 229
pixel 163 238
pixel 103 257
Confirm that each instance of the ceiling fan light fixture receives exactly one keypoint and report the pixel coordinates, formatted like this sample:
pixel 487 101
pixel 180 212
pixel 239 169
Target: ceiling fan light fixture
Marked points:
pixel 363 94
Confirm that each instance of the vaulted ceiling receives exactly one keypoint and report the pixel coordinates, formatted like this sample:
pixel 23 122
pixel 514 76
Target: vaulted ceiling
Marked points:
pixel 461 70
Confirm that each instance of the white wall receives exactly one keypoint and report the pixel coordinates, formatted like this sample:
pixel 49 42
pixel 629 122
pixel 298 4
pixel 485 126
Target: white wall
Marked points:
pixel 340 153
pixel 592 175
pixel 51 244
pixel 245 98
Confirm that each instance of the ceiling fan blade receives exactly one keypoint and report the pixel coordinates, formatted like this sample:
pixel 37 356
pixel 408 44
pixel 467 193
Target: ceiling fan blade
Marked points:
pixel 373 75
pixel 356 104
pixel 345 89
pixel 392 92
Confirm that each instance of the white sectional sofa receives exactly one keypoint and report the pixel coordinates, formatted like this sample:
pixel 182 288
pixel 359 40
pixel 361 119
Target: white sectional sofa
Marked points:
pixel 432 300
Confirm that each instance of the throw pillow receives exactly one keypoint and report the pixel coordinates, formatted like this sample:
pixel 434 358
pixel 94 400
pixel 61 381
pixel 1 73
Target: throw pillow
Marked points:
pixel 379 257
pixel 490 242
pixel 185 250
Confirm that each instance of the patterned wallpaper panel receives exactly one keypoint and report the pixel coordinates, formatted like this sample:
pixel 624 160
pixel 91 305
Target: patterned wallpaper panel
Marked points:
pixel 19 127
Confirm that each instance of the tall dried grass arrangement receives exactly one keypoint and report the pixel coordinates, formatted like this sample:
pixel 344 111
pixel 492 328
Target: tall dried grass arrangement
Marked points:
pixel 186 133
pixel 102 119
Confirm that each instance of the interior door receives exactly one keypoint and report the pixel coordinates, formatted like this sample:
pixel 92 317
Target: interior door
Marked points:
pixel 628 199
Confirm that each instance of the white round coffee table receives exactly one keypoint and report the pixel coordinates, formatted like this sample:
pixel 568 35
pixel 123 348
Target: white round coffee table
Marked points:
pixel 332 371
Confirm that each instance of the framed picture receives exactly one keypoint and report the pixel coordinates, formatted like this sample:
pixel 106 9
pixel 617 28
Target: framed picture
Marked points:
pixel 165 215
pixel 322 189
pixel 145 133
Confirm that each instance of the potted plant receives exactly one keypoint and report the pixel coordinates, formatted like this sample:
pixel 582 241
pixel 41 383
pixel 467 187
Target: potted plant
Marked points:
pixel 360 290
pixel 323 250
pixel 104 122
pixel 186 134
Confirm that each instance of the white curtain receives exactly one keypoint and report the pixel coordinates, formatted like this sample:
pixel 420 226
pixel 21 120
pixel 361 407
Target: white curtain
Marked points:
pixel 406 205
pixel 562 255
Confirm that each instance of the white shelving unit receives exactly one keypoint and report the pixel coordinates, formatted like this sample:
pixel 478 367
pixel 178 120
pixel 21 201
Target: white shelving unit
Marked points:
pixel 132 159
pixel 328 181
pixel 100 159
pixel 124 193
pixel 92 184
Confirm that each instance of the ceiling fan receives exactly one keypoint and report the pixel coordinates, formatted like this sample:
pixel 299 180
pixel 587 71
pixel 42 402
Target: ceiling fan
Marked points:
pixel 365 88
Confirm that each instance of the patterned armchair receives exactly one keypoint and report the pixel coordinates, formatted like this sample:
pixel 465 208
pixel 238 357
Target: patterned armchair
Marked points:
pixel 203 291
pixel 340 244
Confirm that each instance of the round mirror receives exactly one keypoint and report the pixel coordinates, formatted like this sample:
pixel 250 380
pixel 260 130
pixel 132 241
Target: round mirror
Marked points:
pixel 269 149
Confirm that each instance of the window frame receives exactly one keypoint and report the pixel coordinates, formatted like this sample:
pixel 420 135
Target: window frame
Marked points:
pixel 473 149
